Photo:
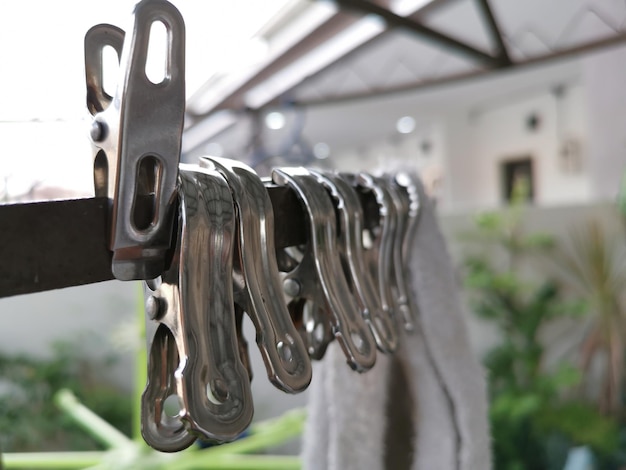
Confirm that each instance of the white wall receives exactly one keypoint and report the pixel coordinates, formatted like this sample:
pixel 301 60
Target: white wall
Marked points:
pixel 501 133
pixel 99 318
pixel 605 98
pixel 469 144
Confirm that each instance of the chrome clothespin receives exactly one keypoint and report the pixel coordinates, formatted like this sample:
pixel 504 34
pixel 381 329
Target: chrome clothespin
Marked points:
pixel 379 249
pixel 259 291
pixel 350 243
pixel 406 202
pixel 194 353
pixel 320 257
pixel 407 184
pixel 136 137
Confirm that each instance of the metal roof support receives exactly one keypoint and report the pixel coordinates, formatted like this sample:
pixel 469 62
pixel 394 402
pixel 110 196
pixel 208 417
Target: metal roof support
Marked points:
pixel 397 21
pixel 494 31
pixel 424 84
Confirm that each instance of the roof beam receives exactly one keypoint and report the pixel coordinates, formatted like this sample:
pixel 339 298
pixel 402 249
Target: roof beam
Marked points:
pixel 234 96
pixel 435 37
pixel 494 31
pixel 466 76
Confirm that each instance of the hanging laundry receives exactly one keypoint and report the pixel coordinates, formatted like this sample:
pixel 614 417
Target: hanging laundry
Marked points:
pixel 423 408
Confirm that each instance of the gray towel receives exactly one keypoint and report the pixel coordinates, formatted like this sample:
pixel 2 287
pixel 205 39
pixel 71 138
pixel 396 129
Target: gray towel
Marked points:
pixel 425 407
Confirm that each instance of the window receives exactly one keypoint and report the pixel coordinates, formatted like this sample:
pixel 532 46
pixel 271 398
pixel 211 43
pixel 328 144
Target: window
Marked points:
pixel 517 180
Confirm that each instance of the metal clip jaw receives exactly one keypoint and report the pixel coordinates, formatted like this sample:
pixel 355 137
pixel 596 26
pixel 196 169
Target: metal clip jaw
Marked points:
pixel 348 326
pixel 305 298
pixel 194 353
pixel 96 39
pixel 286 360
pixel 137 142
pixel 350 217
pixel 407 188
pixel 380 254
pixel 406 202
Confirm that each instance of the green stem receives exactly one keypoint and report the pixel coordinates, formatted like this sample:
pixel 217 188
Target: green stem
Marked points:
pixel 141 368
pixel 240 462
pixel 264 434
pixel 51 460
pixel 102 431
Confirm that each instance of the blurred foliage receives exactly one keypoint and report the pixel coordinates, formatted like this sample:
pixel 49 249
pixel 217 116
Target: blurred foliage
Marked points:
pixel 594 265
pixel 29 420
pixel 534 415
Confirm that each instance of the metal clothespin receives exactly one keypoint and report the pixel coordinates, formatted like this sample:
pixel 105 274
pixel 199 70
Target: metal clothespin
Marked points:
pixel 379 248
pixel 406 202
pixel 259 290
pixel 407 184
pixel 136 137
pixel 350 243
pixel 194 353
pixel 324 268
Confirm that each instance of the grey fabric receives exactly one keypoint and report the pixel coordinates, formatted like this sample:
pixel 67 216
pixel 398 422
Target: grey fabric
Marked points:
pixel 346 424
pixel 462 379
pixel 350 418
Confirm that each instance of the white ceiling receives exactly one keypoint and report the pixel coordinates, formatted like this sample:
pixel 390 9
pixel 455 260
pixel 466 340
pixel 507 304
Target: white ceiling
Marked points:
pixel 390 73
pixel 41 47
pixel 42 79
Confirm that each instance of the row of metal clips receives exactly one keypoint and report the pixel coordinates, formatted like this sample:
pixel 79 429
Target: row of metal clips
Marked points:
pixel 202 237
pixel 300 298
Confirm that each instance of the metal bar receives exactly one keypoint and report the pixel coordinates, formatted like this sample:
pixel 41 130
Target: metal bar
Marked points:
pixel 494 32
pixel 435 37
pixel 464 76
pixel 49 245
pixel 55 244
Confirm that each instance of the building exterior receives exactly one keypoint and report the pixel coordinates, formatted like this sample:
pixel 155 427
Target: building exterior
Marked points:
pixel 562 125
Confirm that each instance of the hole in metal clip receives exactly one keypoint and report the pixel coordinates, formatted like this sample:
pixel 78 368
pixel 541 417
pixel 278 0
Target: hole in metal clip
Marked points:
pixel 319 332
pixel 145 205
pixel 157 58
pixel 285 351
pixel 368 239
pixel 295 253
pixel 110 70
pixel 171 406
pixel 217 392
pixel 101 174
pixel 358 341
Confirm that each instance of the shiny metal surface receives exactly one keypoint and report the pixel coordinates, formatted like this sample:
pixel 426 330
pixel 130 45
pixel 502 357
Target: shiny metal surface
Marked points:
pixel 407 213
pixel 348 326
pixel 379 254
pixel 350 243
pixel 96 39
pixel 260 294
pixel 408 184
pixel 137 138
pixel 305 298
pixel 195 354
